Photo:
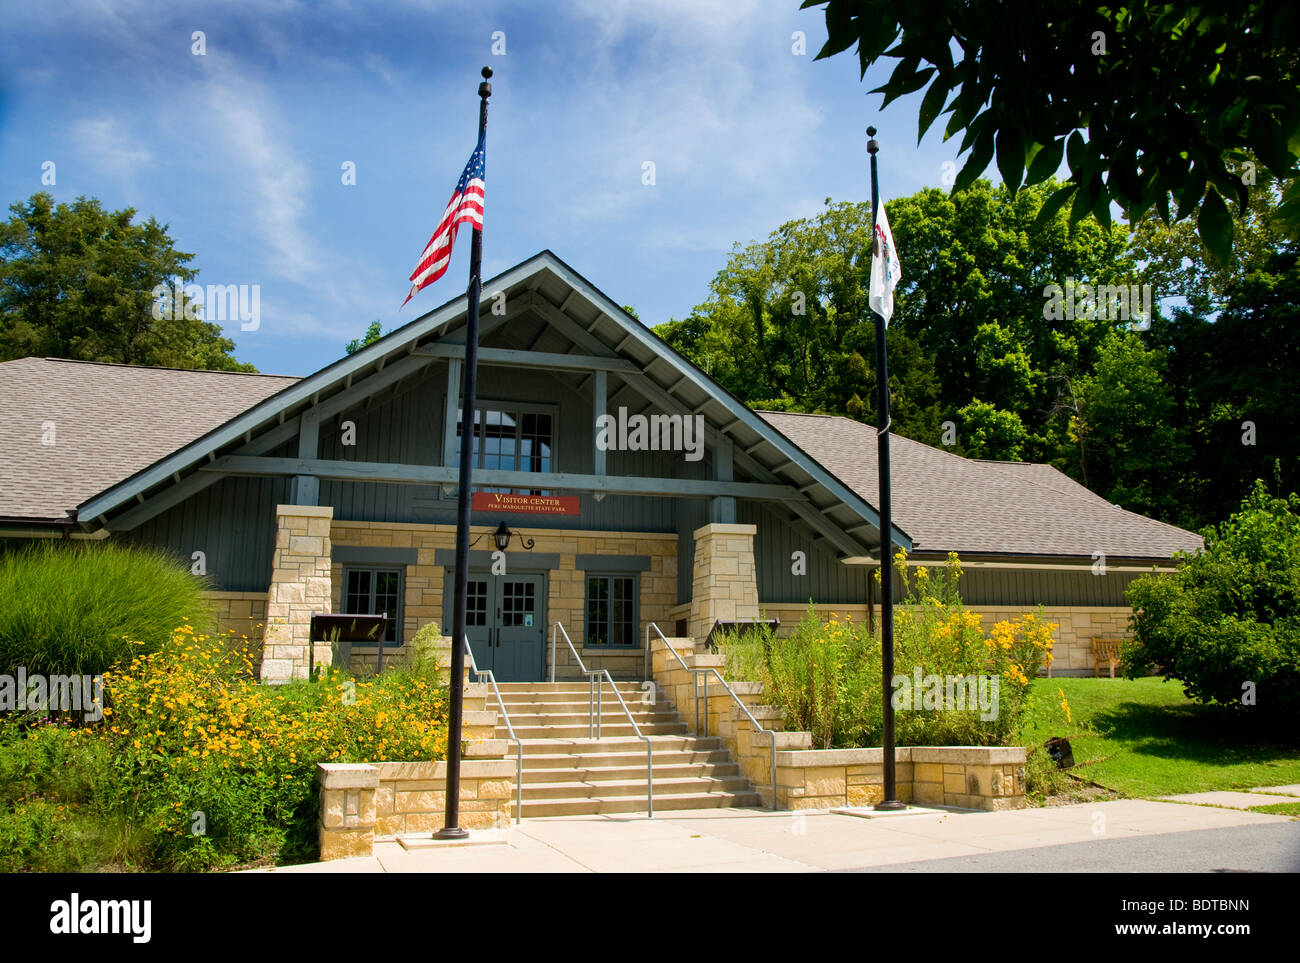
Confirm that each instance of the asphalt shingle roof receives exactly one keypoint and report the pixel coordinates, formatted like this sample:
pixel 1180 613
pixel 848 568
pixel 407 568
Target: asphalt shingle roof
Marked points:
pixel 110 421
pixel 973 507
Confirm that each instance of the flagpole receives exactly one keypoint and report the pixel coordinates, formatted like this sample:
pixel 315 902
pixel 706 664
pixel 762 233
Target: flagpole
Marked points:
pixel 451 828
pixel 890 799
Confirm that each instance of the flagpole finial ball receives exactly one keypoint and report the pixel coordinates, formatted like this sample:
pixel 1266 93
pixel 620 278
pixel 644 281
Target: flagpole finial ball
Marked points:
pixel 871 132
pixel 487 73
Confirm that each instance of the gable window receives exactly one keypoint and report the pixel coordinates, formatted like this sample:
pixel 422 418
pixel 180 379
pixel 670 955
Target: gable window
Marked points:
pixel 512 437
pixel 375 591
pixel 611 610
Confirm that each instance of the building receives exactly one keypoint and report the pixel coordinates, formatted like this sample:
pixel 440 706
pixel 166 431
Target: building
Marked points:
pixel 681 506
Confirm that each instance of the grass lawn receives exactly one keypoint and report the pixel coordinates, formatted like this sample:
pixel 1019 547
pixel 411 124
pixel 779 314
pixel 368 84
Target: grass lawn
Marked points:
pixel 1144 738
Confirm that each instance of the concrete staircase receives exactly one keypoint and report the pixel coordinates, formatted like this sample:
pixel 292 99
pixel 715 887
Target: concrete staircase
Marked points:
pixel 567 773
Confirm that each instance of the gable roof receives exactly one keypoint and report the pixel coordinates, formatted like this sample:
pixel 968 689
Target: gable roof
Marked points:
pixel 578 318
pixel 977 507
pixel 109 421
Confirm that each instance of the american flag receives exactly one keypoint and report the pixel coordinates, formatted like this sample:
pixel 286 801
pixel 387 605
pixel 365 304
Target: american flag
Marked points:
pixel 465 206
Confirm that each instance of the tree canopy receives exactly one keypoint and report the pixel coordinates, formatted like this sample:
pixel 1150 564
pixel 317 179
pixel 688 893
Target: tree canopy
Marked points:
pixel 1171 412
pixel 77 281
pixel 1145 101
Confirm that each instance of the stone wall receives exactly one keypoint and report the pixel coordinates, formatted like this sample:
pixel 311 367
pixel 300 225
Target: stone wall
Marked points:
pixel 1072 645
pixel 724 578
pixel 368 802
pixel 300 585
pixel 964 777
pixel 243 613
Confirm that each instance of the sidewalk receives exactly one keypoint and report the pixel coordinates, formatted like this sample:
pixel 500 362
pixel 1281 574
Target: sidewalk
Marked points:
pixel 753 840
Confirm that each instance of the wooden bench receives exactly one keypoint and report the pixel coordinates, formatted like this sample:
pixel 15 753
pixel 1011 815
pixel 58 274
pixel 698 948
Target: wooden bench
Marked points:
pixel 1105 652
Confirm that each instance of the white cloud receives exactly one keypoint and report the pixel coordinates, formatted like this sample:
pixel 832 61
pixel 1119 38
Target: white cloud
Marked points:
pixel 260 145
pixel 110 147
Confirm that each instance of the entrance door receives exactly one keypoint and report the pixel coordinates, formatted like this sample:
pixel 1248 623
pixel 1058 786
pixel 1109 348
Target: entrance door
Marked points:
pixel 505 620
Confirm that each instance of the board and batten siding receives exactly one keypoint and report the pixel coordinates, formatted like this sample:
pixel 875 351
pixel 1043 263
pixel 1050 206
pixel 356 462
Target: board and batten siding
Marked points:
pixel 232 522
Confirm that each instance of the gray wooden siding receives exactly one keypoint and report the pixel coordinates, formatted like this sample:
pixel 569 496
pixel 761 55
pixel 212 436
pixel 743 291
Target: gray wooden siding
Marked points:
pixel 827 580
pixel 231 522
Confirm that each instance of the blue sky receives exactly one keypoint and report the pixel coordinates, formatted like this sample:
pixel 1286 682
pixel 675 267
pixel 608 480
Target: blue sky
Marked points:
pixel 240 150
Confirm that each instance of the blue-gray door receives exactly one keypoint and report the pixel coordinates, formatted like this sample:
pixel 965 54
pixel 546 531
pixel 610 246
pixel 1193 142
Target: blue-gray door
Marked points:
pixel 506 625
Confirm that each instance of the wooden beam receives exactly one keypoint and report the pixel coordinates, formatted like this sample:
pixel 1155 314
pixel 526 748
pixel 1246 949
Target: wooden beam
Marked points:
pixel 512 358
pixel 450 442
pixel 306 488
pixel 598 408
pixel 397 474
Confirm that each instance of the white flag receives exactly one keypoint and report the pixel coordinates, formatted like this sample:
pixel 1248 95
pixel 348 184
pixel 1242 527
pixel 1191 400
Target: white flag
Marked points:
pixel 885 270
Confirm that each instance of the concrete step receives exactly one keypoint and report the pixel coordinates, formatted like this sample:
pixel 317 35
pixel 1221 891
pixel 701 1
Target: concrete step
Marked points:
pixel 582 746
pixel 580 685
pixel 600 775
pixel 591 806
pixel 616 788
pixel 620 718
pixel 577 761
pixel 608 729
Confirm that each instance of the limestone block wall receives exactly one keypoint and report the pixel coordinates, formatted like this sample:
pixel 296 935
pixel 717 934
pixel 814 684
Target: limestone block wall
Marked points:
pixel 964 777
pixel 365 802
pixel 724 578
pixel 243 613
pixel 300 585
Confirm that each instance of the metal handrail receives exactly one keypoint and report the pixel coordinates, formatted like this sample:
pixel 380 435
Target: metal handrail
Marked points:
pixel 595 710
pixel 695 685
pixel 519 743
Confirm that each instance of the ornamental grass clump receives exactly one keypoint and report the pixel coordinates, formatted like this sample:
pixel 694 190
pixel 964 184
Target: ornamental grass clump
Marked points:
pixel 78 609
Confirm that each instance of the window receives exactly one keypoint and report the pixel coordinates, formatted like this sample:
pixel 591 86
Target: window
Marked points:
pixel 611 610
pixel 512 438
pixel 375 591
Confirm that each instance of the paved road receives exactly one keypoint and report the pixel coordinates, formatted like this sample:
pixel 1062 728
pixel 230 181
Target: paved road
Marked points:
pixel 1273 848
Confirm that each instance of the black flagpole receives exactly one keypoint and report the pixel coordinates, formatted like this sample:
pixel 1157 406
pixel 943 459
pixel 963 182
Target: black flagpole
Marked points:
pixel 890 800
pixel 451 825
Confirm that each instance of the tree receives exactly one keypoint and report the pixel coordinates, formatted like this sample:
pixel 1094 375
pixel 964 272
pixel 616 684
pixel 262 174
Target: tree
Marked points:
pixel 1170 95
pixel 1226 623
pixel 373 334
pixel 78 282
pixel 1136 455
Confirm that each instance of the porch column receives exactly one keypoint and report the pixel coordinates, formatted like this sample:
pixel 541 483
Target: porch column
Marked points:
pixel 300 585
pixel 725 578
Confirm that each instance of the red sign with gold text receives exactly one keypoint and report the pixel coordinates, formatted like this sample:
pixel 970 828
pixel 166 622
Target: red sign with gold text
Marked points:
pixel 526 504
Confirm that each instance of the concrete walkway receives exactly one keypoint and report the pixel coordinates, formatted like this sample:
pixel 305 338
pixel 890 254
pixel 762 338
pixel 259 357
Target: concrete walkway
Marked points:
pixel 1259 796
pixel 751 840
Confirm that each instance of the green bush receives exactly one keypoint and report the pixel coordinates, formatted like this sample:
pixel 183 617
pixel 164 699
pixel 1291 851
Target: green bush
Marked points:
pixel 827 675
pixel 1226 623
pixel 53 786
pixel 78 609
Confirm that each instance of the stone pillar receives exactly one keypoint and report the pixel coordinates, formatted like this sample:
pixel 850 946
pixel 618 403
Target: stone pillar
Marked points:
pixel 300 585
pixel 725 583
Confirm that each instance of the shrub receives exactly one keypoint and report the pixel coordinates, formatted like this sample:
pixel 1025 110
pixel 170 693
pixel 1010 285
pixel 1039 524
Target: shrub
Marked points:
pixel 1227 621
pixel 827 675
pixel 72 609
pixel 223 770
